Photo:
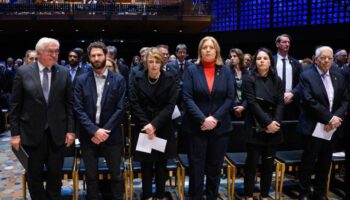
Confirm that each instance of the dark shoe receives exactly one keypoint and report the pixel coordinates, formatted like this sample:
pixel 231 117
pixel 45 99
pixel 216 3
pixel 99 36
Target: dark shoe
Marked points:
pixel 319 197
pixel 304 197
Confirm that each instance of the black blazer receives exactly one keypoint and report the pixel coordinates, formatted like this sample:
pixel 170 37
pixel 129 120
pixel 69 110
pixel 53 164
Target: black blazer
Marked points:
pixel 29 111
pixel 112 107
pixel 265 104
pixel 200 103
pixel 155 107
pixel 315 104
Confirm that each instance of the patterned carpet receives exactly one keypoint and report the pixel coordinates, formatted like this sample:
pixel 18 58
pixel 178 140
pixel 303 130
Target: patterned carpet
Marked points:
pixel 11 186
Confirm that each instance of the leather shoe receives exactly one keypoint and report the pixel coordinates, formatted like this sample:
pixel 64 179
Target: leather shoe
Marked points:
pixel 319 197
pixel 304 197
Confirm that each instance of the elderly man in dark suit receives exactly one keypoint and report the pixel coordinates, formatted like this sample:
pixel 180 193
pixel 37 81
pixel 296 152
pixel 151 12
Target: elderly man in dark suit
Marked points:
pixel 325 101
pixel 99 105
pixel 42 118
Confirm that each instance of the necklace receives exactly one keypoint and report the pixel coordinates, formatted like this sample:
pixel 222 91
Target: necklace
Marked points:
pixel 152 82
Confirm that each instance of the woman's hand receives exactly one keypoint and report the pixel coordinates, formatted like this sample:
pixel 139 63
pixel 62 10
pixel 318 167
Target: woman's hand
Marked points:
pixel 273 127
pixel 150 130
pixel 209 123
pixel 238 111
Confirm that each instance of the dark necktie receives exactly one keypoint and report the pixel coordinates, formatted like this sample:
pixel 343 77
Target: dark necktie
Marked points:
pixel 284 72
pixel 46 84
pixel 181 70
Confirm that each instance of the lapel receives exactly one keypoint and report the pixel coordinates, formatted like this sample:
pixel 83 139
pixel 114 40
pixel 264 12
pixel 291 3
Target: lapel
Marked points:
pixel 319 82
pixel 55 78
pixel 36 79
pixel 92 86
pixel 217 79
pixel 202 80
pixel 109 81
pixel 334 83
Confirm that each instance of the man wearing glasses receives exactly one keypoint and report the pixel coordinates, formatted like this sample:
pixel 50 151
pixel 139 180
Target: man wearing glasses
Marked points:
pixel 324 104
pixel 42 118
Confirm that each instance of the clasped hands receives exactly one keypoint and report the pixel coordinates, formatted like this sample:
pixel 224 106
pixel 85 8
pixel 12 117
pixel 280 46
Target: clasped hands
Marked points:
pixel 101 135
pixel 273 127
pixel 335 122
pixel 209 123
pixel 150 130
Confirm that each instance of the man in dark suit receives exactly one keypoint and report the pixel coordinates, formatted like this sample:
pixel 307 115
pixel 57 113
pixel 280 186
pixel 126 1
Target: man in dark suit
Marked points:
pixel 180 64
pixel 75 70
pixel 325 101
pixel 99 104
pixel 123 69
pixel 42 118
pixel 288 69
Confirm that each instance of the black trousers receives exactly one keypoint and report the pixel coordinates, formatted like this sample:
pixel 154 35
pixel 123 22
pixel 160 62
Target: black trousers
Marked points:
pixel 206 155
pixel 317 154
pixel 45 154
pixel 267 155
pixel 112 154
pixel 147 168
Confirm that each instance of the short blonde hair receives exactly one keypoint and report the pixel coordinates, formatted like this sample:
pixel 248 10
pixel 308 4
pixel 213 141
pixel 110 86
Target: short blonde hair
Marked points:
pixel 154 52
pixel 218 60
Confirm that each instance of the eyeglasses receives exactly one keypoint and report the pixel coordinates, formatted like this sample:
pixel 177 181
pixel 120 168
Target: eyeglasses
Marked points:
pixel 52 52
pixel 324 58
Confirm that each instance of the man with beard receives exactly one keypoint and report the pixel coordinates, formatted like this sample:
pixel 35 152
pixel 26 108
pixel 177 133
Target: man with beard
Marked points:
pixel 99 104
pixel 73 66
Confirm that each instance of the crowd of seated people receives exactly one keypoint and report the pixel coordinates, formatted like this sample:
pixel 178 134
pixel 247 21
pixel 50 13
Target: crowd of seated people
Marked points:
pixel 263 90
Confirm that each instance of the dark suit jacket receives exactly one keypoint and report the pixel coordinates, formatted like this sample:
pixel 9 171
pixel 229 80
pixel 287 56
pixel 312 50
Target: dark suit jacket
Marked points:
pixel 156 107
pixel 200 103
pixel 315 104
pixel 29 111
pixel 80 71
pixel 265 104
pixel 112 107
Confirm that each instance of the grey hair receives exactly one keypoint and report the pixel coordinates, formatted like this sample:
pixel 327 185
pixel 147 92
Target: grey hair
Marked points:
pixel 321 49
pixel 112 49
pixel 43 42
pixel 181 46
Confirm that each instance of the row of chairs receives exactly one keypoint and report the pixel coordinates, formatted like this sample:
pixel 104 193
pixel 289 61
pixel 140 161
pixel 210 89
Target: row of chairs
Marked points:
pixel 287 159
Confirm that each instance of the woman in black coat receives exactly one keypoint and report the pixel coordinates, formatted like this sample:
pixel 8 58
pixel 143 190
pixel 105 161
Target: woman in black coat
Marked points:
pixel 263 90
pixel 153 97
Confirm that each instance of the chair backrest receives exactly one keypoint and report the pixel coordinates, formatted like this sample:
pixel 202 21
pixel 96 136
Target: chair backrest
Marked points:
pixel 237 141
pixel 291 139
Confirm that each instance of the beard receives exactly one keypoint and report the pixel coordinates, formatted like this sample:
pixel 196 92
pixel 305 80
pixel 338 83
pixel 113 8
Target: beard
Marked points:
pixel 98 64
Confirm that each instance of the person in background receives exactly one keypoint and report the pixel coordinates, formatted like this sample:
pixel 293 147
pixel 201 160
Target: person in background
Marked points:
pixel 247 61
pixel 263 90
pixel 153 97
pixel 111 65
pixel 208 95
pixel 30 57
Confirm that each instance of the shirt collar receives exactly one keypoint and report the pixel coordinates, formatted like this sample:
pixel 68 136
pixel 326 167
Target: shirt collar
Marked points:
pixel 321 73
pixel 42 67
pixel 279 57
pixel 104 75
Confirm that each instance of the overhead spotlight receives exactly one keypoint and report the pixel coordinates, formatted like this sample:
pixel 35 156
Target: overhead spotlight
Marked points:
pixel 103 30
pixel 121 41
pixel 82 41
pixel 26 30
pixel 76 30
pixel 155 30
pixel 51 30
pixel 180 30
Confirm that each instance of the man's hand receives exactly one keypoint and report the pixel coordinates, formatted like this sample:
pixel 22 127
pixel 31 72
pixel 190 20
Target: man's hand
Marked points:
pixel 15 142
pixel 101 135
pixel 150 130
pixel 335 121
pixel 288 97
pixel 70 137
pixel 238 111
pixel 209 123
pixel 273 127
